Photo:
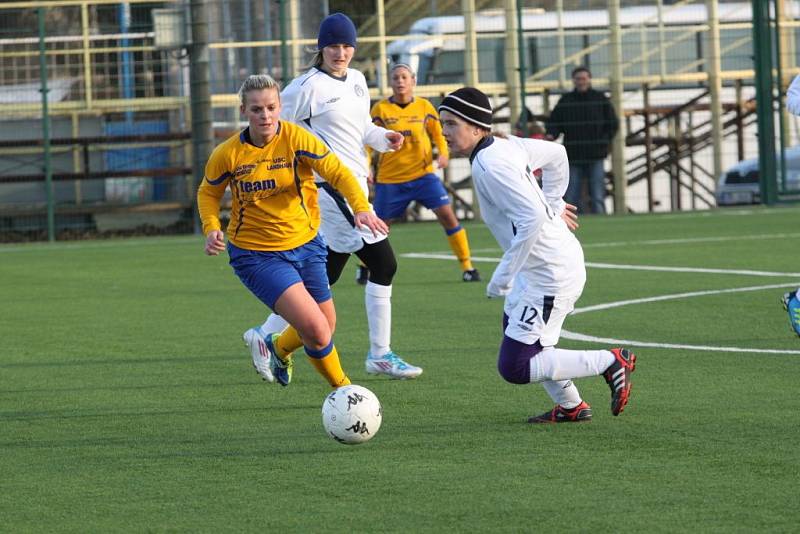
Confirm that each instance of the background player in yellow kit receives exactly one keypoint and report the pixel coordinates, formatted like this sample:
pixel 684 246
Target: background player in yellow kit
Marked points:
pixel 273 240
pixel 406 175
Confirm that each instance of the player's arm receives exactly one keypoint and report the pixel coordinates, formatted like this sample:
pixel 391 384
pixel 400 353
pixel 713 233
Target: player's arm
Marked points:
pixel 209 197
pixel 330 167
pixel 295 103
pixel 379 138
pixel 553 124
pixel 373 156
pixel 552 159
pixel 793 96
pixel 611 121
pixel 512 194
pixel 434 128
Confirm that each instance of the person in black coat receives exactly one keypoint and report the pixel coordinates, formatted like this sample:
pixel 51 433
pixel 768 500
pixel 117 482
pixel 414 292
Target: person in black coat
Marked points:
pixel 588 122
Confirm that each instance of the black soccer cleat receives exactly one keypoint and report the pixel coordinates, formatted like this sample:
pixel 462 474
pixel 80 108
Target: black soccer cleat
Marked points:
pixel 618 378
pixel 471 276
pixel 582 413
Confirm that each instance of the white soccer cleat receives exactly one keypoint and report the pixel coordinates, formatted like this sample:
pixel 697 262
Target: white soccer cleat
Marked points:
pixel 392 365
pixel 259 352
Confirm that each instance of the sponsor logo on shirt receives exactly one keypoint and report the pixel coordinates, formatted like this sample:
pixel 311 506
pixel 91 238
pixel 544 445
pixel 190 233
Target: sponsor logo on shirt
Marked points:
pixel 241 170
pixel 333 100
pixel 279 163
pixel 258 185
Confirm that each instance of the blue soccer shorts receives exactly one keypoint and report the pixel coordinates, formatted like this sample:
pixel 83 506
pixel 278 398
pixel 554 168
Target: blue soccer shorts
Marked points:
pixel 391 200
pixel 268 274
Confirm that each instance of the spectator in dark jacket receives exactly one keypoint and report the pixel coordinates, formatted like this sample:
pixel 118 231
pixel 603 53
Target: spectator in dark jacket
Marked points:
pixel 588 122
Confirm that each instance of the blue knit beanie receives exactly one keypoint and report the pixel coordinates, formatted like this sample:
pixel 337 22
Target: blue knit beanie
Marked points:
pixel 336 29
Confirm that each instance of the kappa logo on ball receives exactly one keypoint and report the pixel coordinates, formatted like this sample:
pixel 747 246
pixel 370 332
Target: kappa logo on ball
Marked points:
pixel 351 414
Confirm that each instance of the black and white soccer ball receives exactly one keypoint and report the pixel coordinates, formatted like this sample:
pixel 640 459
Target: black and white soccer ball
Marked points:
pixel 352 414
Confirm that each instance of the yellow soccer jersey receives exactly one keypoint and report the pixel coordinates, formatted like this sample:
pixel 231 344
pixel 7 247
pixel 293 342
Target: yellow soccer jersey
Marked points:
pixel 419 124
pixel 274 198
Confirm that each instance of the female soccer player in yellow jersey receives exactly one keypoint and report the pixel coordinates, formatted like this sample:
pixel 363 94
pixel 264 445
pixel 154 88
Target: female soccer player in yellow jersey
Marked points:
pixel 273 240
pixel 331 100
pixel 406 175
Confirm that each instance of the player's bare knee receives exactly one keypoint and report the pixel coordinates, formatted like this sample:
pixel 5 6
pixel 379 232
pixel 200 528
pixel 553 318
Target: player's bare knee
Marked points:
pixel 317 336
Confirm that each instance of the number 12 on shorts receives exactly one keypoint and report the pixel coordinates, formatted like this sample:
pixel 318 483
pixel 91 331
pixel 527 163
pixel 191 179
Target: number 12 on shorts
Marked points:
pixel 529 313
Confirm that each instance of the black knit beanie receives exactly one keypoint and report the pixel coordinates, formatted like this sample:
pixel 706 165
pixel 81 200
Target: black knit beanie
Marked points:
pixel 471 105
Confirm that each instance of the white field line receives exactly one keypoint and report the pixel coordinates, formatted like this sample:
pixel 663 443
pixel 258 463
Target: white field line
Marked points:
pixel 632 343
pixel 689 240
pixel 744 272
pixel 149 241
pixel 659 242
pixel 613 341
pixel 676 296
pixel 624 267
pixel 100 244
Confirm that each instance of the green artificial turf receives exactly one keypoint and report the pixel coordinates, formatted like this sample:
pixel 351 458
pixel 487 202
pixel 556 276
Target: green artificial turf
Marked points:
pixel 128 401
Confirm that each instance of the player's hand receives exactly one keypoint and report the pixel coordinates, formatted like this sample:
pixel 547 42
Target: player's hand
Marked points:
pixel 495 290
pixel 371 221
pixel 215 242
pixel 570 216
pixel 442 161
pixel 395 140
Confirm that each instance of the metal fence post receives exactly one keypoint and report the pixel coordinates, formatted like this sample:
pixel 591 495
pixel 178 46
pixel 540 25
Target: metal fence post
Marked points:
pixel 200 87
pixel 48 168
pixel 713 61
pixel 617 89
pixel 762 49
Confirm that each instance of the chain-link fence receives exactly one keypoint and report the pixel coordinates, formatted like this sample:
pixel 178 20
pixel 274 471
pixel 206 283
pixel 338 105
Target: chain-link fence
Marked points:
pixel 110 148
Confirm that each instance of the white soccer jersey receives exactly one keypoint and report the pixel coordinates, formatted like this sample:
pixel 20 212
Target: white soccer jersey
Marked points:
pixel 793 97
pixel 524 218
pixel 337 111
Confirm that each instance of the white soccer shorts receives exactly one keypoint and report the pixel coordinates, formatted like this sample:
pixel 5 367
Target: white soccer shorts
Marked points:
pixel 533 316
pixel 337 228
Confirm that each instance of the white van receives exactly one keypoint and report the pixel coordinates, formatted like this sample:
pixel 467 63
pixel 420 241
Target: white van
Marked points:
pixel 434 46
pixel 740 184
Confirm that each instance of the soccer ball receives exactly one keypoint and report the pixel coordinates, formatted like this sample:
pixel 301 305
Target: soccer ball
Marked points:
pixel 351 414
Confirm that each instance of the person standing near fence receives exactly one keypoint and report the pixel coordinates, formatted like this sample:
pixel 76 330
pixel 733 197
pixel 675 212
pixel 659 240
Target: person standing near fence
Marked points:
pixel 273 240
pixel 588 122
pixel 331 100
pixel 406 175
pixel 791 300
pixel 541 273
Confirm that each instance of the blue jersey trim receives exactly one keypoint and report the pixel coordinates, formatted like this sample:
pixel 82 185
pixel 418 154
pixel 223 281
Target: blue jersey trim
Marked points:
pixel 224 176
pixel 483 143
pixel 311 154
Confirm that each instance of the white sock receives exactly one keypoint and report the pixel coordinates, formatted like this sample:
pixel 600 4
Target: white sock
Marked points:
pixel 378 300
pixel 562 364
pixel 797 293
pixel 274 323
pixel 563 392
